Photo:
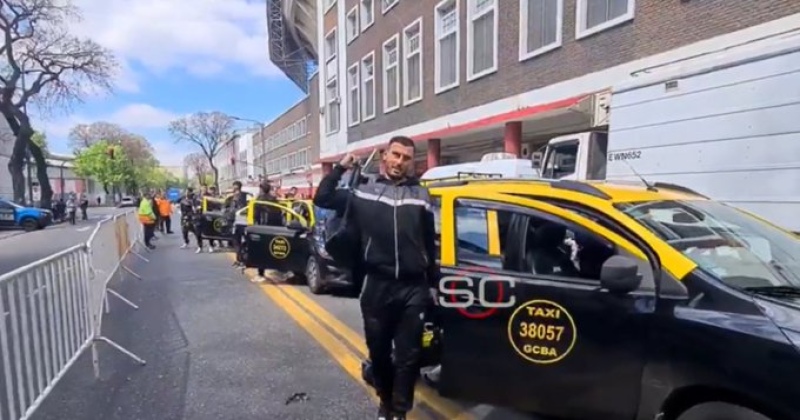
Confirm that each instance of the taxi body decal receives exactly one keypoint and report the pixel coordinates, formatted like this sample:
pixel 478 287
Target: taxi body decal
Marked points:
pixel 542 331
pixel 279 247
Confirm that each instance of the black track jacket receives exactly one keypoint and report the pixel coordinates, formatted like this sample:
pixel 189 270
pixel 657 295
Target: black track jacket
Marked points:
pixel 395 221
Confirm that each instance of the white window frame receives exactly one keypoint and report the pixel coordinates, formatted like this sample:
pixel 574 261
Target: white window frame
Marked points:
pixel 385 69
pixel 357 28
pixel 335 46
pixel 525 26
pixel 364 116
pixel 328 5
pixel 471 76
pixel 580 20
pixel 328 102
pixel 366 25
pixel 406 56
pixel 387 5
pixel 357 88
pixel 437 57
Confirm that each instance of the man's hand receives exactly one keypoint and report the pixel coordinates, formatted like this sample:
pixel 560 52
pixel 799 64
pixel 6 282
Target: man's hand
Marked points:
pixel 348 161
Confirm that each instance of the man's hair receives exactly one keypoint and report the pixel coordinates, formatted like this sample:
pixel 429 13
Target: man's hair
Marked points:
pixel 237 184
pixel 266 187
pixel 190 189
pixel 403 141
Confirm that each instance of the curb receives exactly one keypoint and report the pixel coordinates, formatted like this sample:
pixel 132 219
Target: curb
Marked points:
pixel 11 234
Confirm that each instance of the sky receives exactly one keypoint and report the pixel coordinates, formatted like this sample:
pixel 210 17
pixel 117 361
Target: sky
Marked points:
pixel 177 57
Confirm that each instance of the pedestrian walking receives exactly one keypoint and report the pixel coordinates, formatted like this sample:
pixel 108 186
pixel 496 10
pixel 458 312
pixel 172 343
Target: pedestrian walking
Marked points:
pixel 189 205
pixel 394 218
pixel 72 208
pixel 147 217
pixel 84 204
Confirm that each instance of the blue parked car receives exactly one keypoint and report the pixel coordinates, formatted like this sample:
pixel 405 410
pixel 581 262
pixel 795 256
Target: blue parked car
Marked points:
pixel 13 215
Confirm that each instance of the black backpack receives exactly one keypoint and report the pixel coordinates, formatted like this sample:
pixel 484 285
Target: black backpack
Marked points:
pixel 342 239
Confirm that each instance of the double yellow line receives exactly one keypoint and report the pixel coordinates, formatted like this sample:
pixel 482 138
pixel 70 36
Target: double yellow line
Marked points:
pixel 346 346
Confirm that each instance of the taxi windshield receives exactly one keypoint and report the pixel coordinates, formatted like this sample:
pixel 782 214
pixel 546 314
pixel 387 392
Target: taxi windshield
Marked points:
pixel 737 248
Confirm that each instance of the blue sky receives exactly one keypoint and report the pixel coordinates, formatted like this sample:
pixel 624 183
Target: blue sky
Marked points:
pixel 178 57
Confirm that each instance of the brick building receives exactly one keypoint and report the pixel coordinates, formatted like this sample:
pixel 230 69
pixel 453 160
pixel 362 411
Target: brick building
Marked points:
pixel 468 77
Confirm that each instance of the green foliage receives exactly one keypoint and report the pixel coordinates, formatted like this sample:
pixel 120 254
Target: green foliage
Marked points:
pixel 96 161
pixel 40 139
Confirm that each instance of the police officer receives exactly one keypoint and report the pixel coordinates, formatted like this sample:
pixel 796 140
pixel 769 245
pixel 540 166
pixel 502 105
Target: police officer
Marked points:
pixel 397 236
pixel 189 205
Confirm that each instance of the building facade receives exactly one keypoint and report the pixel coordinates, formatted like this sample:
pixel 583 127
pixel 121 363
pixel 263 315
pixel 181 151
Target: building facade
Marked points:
pixel 468 77
pixel 287 148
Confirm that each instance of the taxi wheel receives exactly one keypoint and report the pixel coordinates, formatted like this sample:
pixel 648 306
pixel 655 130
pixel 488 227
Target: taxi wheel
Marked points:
pixel 721 411
pixel 314 277
pixel 30 225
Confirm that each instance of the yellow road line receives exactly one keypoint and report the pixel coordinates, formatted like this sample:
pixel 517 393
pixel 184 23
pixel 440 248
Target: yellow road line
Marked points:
pixel 342 354
pixel 442 406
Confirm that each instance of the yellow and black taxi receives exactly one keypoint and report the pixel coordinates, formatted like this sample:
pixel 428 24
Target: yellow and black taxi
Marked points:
pixel 596 300
pixel 294 241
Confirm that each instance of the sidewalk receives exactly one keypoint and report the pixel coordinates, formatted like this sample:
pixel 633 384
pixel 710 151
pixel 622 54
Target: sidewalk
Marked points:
pixel 217 348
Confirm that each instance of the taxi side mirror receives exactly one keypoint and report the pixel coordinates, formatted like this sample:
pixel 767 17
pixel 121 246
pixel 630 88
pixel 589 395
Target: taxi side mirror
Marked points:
pixel 620 275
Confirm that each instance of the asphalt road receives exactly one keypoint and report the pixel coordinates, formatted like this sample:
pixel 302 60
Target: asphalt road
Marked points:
pixel 220 347
pixel 19 248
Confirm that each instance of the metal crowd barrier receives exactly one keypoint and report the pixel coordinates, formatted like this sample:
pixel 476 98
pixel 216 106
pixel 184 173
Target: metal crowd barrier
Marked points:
pixel 51 311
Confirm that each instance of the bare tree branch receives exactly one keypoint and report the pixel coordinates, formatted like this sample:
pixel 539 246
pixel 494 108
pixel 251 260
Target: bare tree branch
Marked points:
pixel 43 64
pixel 206 130
pixel 198 163
pixel 136 147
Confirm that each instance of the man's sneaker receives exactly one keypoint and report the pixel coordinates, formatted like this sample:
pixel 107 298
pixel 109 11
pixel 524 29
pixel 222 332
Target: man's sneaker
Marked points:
pixel 151 246
pixel 258 279
pixel 211 250
pixel 383 413
pixel 398 417
pixel 198 250
pixel 184 246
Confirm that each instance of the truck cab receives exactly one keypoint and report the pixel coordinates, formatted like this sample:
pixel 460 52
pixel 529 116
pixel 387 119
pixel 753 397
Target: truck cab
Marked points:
pixel 576 157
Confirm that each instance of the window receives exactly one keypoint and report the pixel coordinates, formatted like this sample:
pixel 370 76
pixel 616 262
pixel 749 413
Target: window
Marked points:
pixel 446 57
pixel 387 5
pixel 540 23
pixel 332 114
pixel 330 45
pixel 354 100
pixel 329 4
pixel 412 53
pixel 367 14
pixel 368 87
pixel 594 16
pixel 552 247
pixel 391 75
pixel 481 38
pixel 561 160
pixel 352 24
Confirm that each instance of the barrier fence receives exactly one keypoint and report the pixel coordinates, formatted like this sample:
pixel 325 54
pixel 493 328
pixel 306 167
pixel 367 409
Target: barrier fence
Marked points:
pixel 51 312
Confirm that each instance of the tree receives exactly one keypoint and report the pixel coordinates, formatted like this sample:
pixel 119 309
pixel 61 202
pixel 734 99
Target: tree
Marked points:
pixel 208 131
pixel 198 164
pixel 40 140
pixel 106 163
pixel 60 69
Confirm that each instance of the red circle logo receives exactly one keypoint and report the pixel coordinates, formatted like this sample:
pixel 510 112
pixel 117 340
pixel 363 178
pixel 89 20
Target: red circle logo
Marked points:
pixel 477 311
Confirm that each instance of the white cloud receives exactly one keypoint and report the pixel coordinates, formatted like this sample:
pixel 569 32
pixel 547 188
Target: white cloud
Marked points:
pixel 168 153
pixel 204 37
pixel 132 117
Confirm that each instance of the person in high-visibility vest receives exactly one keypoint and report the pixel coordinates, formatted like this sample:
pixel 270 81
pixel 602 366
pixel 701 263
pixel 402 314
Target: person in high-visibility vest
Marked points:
pixel 148 219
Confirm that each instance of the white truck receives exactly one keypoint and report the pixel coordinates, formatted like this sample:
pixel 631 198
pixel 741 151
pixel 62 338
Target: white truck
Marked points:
pixel 726 125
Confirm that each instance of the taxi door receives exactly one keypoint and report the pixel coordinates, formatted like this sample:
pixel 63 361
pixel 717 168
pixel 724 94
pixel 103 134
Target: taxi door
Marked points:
pixel 279 247
pixel 8 215
pixel 549 344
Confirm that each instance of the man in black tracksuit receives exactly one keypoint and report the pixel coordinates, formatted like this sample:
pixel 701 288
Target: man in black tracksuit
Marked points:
pixel 396 225
pixel 189 205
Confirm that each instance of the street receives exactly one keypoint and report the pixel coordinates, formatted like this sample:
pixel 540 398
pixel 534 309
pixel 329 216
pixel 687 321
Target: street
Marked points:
pixel 19 248
pixel 220 347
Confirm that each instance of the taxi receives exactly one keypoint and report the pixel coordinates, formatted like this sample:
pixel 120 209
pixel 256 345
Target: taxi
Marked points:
pixel 601 300
pixel 294 243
